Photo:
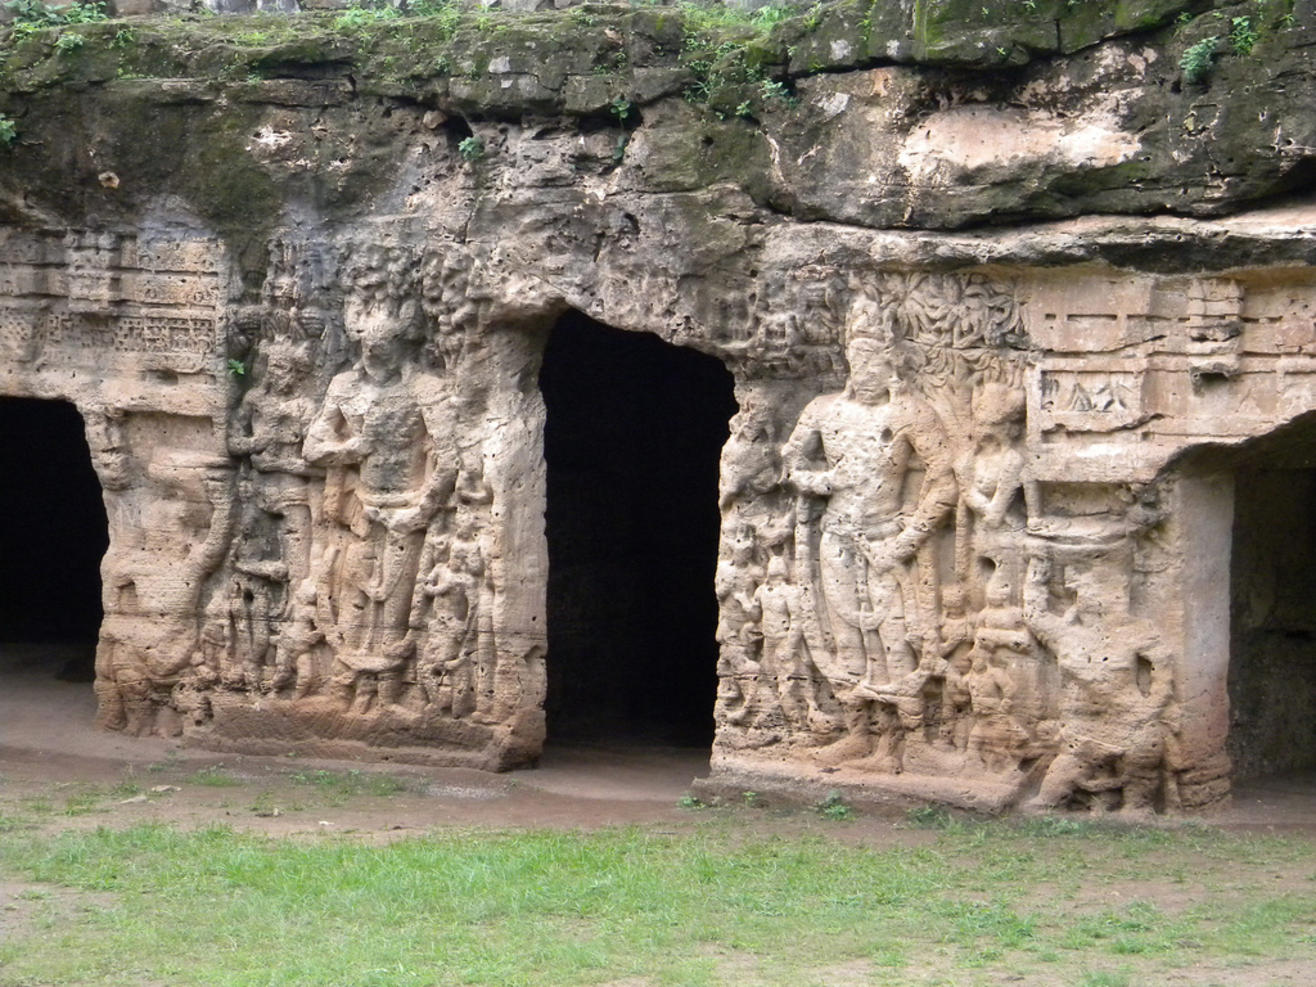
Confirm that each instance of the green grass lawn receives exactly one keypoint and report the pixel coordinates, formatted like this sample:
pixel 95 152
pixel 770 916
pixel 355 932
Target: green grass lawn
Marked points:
pixel 734 897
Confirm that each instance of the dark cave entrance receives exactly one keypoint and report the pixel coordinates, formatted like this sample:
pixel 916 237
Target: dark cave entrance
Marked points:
pixel 1272 655
pixel 53 534
pixel 634 432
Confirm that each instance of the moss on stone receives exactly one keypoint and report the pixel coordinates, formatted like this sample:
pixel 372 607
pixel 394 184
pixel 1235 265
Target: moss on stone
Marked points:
pixel 172 109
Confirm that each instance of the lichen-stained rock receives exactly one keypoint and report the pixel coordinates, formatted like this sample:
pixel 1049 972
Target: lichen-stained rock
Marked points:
pixel 1008 294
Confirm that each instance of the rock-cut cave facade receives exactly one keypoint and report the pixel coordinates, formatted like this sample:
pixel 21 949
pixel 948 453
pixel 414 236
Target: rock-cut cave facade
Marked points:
pixel 1007 513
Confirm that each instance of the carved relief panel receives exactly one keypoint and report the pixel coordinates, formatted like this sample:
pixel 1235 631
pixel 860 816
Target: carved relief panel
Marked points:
pixel 907 602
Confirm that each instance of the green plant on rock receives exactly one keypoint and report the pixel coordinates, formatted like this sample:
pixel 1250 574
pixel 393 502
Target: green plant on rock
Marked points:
pixel 470 148
pixel 727 49
pixel 1242 35
pixel 355 18
pixel 1199 59
pixel 8 131
pixel 621 108
pixel 68 43
pixel 773 90
pixel 31 16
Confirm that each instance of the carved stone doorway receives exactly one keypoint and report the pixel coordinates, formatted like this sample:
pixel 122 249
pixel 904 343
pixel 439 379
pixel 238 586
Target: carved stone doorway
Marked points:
pixel 1272 667
pixel 53 533
pixel 634 432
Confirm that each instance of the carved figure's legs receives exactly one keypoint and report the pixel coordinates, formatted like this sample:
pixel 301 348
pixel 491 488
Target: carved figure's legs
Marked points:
pixel 995 738
pixel 389 688
pixel 430 679
pixel 1062 778
pixel 139 711
pixel 796 699
pixel 461 680
pixel 893 658
pixel 391 595
pixel 284 667
pixel 123 690
pixel 866 610
pixel 256 639
pixel 843 571
pixel 367 687
pixel 857 742
pixel 305 675
pixel 1143 771
pixel 343 686
pixel 297 539
pixel 110 713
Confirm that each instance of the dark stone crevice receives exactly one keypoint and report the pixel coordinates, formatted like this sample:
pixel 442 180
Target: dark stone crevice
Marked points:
pixel 1272 669
pixel 53 533
pixel 634 432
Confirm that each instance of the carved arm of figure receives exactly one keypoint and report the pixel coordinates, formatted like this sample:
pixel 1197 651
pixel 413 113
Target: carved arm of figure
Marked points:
pixel 753 604
pixel 1007 483
pixel 472 488
pixel 438 491
pixel 938 493
pixel 936 497
pixel 1049 628
pixel 950 635
pixel 273 570
pixel 801 451
pixel 1148 645
pixel 241 430
pixel 1006 685
pixel 400 651
pixel 1032 500
pixel 1014 638
pixel 724 580
pixel 206 558
pixel 323 443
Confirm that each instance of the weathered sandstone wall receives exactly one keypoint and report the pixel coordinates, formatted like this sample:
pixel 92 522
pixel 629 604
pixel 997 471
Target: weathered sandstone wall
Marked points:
pixel 1007 294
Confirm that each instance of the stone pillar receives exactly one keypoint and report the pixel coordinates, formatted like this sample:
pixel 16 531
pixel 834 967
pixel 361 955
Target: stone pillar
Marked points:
pixel 1204 524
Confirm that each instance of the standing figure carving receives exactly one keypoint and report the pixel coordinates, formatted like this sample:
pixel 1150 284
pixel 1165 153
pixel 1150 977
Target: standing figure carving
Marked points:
pixel 384 436
pixel 872 468
pixel 149 634
pixel 738 634
pixel 779 605
pixel 269 428
pixel 990 519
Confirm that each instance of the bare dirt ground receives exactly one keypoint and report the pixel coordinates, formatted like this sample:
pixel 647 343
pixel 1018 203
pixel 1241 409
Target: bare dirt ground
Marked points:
pixel 48 744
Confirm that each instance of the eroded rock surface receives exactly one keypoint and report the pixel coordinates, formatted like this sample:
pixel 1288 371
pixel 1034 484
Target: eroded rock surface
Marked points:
pixel 1007 297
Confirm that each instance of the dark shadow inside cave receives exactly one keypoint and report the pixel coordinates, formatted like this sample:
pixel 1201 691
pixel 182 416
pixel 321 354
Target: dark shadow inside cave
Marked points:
pixel 53 533
pixel 1272 666
pixel 634 432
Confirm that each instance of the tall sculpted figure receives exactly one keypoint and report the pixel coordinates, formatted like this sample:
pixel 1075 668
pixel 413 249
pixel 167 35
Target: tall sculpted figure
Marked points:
pixel 383 434
pixel 872 468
